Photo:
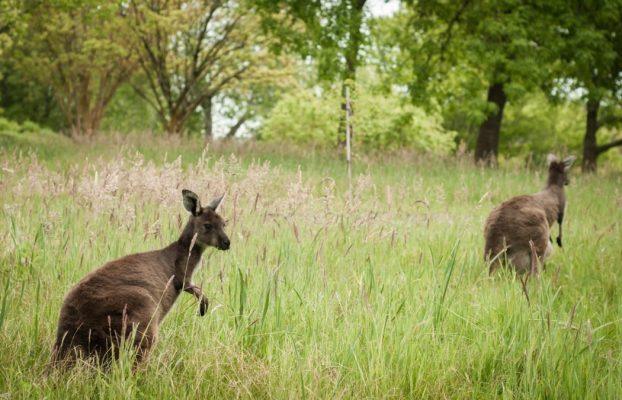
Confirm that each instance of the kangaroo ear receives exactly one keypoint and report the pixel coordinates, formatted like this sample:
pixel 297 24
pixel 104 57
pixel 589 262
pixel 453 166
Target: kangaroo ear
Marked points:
pixel 568 162
pixel 191 202
pixel 550 158
pixel 213 205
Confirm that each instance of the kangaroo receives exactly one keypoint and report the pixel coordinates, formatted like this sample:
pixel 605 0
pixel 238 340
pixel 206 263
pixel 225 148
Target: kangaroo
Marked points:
pixel 513 224
pixel 128 298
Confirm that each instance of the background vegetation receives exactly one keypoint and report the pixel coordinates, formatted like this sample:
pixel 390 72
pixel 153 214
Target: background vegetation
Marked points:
pixel 506 78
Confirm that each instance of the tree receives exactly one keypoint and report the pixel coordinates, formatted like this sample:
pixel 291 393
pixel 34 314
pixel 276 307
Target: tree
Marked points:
pixel 591 34
pixel 331 32
pixel 190 51
pixel 78 49
pixel 505 41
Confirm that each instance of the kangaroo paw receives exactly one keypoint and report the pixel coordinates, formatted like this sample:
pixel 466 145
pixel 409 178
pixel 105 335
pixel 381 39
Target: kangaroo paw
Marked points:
pixel 203 306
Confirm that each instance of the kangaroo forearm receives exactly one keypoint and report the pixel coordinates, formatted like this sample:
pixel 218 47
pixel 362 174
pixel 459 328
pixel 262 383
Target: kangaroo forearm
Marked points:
pixel 194 290
pixel 198 293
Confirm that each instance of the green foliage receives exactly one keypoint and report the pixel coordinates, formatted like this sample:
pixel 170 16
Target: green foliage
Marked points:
pixel 127 112
pixel 331 32
pixel 506 41
pixel 534 126
pixel 8 125
pixel 12 25
pixel 26 127
pixel 24 98
pixel 590 48
pixel 388 122
pixel 11 22
pixel 380 122
pixel 303 117
pixel 28 136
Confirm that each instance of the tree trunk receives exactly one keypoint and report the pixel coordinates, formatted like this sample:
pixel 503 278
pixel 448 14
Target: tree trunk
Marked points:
pixel 84 114
pixel 590 148
pixel 487 147
pixel 351 57
pixel 94 119
pixel 174 125
pixel 208 119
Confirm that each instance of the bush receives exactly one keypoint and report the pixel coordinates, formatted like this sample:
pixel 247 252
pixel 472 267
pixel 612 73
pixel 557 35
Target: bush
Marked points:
pixel 12 127
pixel 387 122
pixel 303 117
pixel 8 126
pixel 380 122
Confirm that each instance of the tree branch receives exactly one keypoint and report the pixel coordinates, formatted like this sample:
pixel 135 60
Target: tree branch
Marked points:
pixel 603 148
pixel 199 99
pixel 610 120
pixel 154 89
pixel 212 52
pixel 199 71
pixel 201 37
pixel 226 80
pixel 234 129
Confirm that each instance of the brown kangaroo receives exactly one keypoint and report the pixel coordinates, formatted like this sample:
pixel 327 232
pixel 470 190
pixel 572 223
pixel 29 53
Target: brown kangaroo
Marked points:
pixel 513 224
pixel 128 298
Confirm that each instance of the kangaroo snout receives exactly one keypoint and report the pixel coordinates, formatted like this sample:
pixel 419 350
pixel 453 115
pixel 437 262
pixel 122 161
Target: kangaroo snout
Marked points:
pixel 224 243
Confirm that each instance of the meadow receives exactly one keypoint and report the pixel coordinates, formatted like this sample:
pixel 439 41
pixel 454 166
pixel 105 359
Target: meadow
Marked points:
pixel 380 291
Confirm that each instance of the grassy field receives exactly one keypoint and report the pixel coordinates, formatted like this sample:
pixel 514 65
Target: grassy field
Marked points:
pixel 381 292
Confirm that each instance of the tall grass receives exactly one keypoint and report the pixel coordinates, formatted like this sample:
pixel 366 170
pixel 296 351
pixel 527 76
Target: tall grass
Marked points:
pixel 378 293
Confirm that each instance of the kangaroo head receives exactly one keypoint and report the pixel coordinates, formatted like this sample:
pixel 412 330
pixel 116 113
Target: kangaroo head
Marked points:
pixel 558 170
pixel 204 222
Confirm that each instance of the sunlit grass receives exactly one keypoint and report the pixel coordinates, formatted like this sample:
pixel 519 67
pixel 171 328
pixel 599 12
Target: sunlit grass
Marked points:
pixel 377 293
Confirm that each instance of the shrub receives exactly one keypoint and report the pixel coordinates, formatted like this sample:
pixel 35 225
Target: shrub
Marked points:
pixel 380 122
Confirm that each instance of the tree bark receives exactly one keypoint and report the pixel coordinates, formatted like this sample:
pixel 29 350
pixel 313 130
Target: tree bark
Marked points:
pixel 487 147
pixel 590 148
pixel 208 119
pixel 174 125
pixel 83 121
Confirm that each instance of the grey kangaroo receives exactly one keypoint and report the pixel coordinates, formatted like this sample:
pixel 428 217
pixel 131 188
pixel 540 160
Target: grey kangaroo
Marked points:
pixel 511 225
pixel 128 298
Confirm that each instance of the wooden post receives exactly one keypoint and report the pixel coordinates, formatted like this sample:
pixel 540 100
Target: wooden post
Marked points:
pixel 349 139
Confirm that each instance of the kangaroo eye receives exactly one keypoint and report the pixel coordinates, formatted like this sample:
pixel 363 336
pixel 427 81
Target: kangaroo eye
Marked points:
pixel 208 226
